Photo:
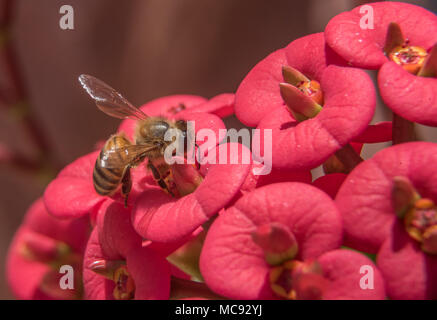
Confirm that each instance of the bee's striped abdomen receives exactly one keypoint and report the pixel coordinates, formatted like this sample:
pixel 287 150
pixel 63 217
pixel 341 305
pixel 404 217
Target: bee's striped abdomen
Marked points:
pixel 107 180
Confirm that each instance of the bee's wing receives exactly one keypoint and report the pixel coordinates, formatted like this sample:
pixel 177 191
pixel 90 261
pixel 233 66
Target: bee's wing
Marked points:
pixel 124 156
pixel 109 100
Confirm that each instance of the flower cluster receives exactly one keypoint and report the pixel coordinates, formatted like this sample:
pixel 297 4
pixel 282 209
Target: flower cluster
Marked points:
pixel 366 229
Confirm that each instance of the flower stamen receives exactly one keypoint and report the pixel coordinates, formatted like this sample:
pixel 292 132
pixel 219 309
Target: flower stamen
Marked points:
pixel 312 89
pixel 296 280
pixel 124 284
pixel 421 224
pixel 411 58
pixel 419 214
pixel 399 50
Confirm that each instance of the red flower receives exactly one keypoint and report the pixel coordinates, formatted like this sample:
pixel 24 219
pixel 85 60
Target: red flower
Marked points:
pixel 119 265
pixel 407 271
pixel 259 94
pixel 363 48
pixel 160 217
pixel 342 269
pixel 116 266
pixel 418 103
pixel 269 227
pixel 348 95
pixel 402 35
pixel 72 193
pixel 387 204
pixel 40 247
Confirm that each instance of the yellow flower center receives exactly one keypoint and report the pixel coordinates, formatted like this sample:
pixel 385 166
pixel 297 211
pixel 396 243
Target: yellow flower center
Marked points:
pixel 312 89
pixel 411 58
pixel 296 280
pixel 124 284
pixel 421 224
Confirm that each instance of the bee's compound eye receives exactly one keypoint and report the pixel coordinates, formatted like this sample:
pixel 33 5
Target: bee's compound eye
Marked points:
pixel 159 128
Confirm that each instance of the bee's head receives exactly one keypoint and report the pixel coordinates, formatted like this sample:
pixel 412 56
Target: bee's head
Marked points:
pixel 158 129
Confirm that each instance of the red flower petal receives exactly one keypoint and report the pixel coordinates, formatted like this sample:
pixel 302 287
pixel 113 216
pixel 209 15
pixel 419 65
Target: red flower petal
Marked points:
pixel 96 287
pixel 116 234
pixel 330 183
pixel 234 266
pixel 259 93
pixel 376 133
pixel 221 105
pixel 364 199
pixel 72 193
pixel 151 274
pixel 409 273
pixel 364 47
pixel 412 97
pixel 342 268
pixel 310 55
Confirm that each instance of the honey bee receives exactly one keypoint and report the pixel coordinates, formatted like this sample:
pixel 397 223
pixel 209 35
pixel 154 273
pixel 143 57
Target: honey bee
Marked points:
pixel 119 154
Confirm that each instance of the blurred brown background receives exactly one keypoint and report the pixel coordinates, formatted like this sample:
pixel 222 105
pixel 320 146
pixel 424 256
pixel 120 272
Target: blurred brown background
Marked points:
pixel 144 48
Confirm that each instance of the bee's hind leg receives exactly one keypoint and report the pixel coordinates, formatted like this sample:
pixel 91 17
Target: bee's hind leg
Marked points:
pixel 126 185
